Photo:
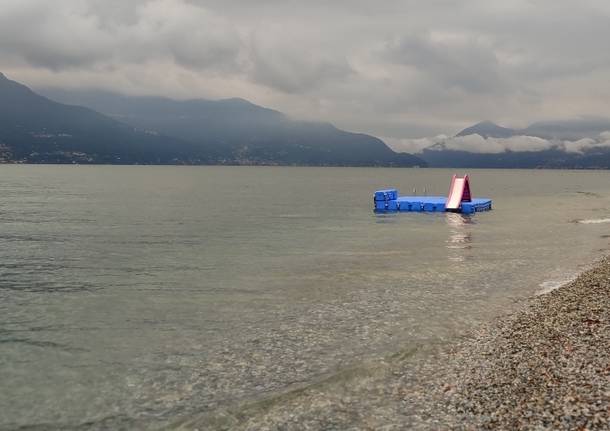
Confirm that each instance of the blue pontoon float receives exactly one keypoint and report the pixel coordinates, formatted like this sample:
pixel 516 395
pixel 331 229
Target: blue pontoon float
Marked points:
pixel 459 200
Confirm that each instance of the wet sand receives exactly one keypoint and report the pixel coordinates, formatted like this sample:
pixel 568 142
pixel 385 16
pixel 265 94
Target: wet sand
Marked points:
pixel 546 366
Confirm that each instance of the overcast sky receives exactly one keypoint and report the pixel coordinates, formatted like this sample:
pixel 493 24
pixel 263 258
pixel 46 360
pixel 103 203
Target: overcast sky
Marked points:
pixel 395 69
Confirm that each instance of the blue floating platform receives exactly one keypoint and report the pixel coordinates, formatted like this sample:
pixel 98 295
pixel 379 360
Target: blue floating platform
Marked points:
pixel 385 195
pixel 429 204
pixel 459 200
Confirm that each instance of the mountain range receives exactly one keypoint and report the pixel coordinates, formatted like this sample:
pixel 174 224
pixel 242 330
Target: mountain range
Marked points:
pixel 99 127
pixel 488 129
pixel 570 130
pixel 38 130
pixel 87 126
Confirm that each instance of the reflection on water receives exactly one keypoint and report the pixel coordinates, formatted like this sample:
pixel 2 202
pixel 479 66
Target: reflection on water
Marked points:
pixel 460 236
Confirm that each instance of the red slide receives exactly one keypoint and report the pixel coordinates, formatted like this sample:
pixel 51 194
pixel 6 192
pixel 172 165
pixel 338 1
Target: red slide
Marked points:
pixel 459 192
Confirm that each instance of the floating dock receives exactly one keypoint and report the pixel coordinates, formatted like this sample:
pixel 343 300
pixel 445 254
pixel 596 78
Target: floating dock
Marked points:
pixel 459 200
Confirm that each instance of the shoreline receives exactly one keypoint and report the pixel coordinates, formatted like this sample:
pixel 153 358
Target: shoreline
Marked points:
pixel 544 366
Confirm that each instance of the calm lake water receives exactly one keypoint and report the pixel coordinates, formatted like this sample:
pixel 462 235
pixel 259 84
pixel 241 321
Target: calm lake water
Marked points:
pixel 130 296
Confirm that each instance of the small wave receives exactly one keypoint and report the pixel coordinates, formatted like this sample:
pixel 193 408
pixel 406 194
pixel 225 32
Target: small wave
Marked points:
pixel 550 285
pixel 594 221
pixel 565 278
pixel 589 194
pixel 557 282
pixel 41 344
pixel 306 216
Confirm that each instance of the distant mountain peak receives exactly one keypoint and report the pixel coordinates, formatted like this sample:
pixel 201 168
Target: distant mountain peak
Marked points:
pixel 237 100
pixel 3 76
pixel 488 129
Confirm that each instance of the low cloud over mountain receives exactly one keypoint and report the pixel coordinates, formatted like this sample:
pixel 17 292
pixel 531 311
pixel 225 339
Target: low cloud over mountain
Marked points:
pixel 479 144
pixel 580 143
pixel 571 136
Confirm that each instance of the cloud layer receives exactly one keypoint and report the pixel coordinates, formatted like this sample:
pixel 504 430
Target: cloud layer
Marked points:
pixel 400 68
pixel 477 144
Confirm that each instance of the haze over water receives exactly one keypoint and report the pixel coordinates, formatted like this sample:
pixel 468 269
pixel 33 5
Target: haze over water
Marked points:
pixel 133 295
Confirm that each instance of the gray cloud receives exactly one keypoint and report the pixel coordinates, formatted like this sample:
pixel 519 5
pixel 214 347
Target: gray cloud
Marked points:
pixel 282 65
pixel 451 60
pixel 400 68
pixel 69 34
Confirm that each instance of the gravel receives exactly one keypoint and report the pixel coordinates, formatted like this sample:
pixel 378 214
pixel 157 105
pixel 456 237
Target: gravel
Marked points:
pixel 546 366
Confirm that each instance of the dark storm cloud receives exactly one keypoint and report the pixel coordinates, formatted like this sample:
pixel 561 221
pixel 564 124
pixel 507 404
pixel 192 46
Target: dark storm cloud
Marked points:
pixel 378 67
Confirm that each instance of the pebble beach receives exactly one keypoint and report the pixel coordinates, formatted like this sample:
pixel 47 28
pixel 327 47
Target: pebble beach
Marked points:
pixel 545 366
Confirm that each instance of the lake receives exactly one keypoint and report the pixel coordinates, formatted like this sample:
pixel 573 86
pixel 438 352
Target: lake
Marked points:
pixel 132 295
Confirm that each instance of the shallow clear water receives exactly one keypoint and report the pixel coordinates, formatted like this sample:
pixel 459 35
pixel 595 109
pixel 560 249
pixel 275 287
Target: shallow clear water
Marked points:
pixel 133 295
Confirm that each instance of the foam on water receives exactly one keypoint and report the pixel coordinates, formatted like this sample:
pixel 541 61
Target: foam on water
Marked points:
pixel 554 284
pixel 594 221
